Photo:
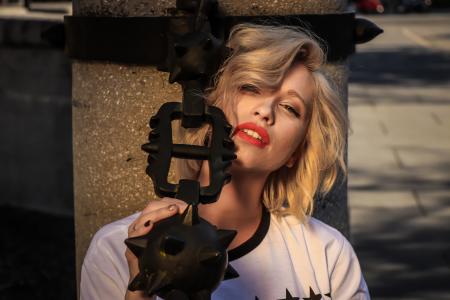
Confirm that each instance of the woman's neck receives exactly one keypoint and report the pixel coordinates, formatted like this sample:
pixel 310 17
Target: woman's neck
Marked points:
pixel 239 205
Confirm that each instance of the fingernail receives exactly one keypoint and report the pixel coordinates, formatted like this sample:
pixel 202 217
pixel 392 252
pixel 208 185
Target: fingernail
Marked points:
pixel 172 207
pixel 146 224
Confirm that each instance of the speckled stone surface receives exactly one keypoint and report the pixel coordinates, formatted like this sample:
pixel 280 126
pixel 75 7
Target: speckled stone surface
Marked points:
pixel 228 7
pixel 111 107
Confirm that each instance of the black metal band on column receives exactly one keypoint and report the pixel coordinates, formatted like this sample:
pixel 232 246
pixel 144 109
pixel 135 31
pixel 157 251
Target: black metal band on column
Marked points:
pixel 143 40
pixel 191 48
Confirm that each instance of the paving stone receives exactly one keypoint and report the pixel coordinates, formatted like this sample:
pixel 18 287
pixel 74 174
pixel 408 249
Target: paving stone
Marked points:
pixel 436 208
pixel 426 160
pixel 381 199
pixel 366 125
pixel 370 156
pixel 407 125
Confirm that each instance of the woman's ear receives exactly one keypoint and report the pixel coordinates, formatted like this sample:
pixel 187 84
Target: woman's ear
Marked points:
pixel 291 161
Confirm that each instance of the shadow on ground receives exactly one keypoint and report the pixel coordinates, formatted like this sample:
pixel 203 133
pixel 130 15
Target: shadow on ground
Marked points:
pixel 37 255
pixel 405 258
pixel 405 66
pixel 404 249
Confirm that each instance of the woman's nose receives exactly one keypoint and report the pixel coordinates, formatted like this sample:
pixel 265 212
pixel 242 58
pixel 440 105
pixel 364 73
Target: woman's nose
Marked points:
pixel 265 111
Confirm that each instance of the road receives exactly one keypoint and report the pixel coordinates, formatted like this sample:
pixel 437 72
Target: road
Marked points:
pixel 399 157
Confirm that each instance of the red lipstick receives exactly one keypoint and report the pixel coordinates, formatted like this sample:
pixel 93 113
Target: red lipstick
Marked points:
pixel 254 141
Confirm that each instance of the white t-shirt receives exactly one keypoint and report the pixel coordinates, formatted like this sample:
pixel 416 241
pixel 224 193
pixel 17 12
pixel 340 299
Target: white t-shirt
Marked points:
pixel 284 259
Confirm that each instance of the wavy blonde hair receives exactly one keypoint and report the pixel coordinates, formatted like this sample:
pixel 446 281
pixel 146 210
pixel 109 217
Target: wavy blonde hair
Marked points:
pixel 262 55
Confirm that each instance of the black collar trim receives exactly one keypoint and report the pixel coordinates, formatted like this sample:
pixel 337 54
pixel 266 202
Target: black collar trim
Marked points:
pixel 254 241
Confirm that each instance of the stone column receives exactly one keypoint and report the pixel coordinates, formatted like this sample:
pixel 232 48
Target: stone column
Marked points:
pixel 111 107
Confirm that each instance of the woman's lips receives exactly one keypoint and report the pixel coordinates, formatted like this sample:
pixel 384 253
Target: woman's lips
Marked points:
pixel 261 143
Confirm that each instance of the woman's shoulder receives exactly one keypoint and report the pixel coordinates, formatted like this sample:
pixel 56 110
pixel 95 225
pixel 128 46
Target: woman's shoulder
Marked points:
pixel 105 269
pixel 314 233
pixel 110 237
pixel 329 250
pixel 323 231
pixel 311 226
pixel 346 278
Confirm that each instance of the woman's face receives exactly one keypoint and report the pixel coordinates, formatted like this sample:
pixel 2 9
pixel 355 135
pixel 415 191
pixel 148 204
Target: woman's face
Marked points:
pixel 270 125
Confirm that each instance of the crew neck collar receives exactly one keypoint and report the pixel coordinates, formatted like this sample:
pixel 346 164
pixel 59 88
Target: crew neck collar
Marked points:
pixel 254 240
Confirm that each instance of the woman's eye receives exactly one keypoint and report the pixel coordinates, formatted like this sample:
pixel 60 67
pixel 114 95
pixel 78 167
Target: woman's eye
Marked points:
pixel 291 110
pixel 249 88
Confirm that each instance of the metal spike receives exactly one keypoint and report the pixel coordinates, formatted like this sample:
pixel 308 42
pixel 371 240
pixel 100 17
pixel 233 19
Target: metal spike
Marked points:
pixel 187 215
pixel 230 273
pixel 227 178
pixel 150 147
pixel 225 165
pixel 174 74
pixel 190 215
pixel 154 121
pixel 136 244
pixel 209 255
pixel 229 155
pixel 137 283
pixel 365 30
pixel 156 282
pixel 226 236
pixel 151 158
pixel 227 142
pixel 228 128
pixel 172 245
pixel 153 134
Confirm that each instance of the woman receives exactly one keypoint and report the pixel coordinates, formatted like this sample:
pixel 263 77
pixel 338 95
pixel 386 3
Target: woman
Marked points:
pixel 289 132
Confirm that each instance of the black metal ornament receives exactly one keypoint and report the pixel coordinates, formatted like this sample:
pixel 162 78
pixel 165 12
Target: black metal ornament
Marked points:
pixel 182 257
pixel 193 56
pixel 220 153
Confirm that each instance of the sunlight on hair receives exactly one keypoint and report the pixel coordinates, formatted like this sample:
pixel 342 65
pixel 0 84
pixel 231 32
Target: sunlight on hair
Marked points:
pixel 263 55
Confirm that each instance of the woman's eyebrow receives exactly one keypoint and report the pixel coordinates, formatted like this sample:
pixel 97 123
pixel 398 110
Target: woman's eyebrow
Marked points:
pixel 295 94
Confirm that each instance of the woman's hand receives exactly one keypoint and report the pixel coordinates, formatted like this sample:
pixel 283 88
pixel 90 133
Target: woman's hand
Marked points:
pixel 154 212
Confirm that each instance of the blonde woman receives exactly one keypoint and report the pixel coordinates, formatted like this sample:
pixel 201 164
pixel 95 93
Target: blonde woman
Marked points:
pixel 289 131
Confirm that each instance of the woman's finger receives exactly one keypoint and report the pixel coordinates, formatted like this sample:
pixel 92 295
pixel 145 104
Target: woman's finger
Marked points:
pixel 145 221
pixel 164 202
pixel 154 212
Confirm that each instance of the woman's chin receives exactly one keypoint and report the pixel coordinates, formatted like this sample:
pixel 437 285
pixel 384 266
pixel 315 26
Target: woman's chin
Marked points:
pixel 242 167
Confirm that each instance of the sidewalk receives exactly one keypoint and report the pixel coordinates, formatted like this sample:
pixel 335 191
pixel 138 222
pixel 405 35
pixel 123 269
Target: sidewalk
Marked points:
pixel 399 160
pixel 39 11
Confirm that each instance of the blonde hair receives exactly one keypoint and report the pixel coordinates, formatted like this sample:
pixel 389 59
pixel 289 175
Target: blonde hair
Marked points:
pixel 262 55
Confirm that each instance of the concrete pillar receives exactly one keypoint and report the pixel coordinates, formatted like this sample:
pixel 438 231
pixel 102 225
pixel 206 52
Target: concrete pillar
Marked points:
pixel 111 107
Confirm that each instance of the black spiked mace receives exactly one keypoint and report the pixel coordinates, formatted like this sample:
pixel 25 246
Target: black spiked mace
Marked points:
pixel 184 256
pixel 183 253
